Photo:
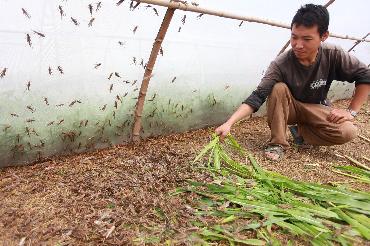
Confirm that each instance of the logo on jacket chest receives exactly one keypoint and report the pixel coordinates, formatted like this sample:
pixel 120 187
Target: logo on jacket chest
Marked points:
pixel 317 84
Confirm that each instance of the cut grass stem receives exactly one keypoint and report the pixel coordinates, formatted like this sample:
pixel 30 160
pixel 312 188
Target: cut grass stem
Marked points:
pixel 320 214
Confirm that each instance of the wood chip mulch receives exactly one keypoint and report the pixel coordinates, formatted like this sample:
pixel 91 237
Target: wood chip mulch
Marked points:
pixel 122 195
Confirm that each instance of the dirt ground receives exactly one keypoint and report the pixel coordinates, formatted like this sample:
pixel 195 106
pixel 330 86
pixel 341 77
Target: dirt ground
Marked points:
pixel 122 195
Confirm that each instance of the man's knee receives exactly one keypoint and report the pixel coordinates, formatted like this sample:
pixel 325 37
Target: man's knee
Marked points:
pixel 348 132
pixel 279 88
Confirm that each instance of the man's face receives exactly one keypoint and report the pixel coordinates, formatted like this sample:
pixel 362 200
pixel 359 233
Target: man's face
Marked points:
pixel 305 41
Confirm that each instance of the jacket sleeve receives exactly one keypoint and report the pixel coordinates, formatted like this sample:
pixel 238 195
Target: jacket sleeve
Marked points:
pixel 258 96
pixel 349 68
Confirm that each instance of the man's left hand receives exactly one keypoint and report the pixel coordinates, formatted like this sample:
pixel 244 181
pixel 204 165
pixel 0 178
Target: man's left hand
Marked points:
pixel 339 116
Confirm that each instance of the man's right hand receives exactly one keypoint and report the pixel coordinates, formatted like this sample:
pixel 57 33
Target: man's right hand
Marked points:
pixel 244 110
pixel 223 130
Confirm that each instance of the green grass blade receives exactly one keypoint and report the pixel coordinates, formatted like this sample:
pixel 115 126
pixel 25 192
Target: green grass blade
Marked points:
pixel 320 214
pixel 363 230
pixel 218 236
pixel 207 148
pixel 355 170
pixel 232 142
pixel 216 158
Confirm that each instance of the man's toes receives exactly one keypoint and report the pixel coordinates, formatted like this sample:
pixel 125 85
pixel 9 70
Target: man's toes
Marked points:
pixel 272 156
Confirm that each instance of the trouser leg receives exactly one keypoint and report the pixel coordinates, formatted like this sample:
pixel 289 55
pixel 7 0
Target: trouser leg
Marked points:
pixel 317 130
pixel 281 111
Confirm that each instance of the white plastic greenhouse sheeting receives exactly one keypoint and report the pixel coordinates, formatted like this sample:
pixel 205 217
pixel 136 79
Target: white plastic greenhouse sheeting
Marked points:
pixel 206 70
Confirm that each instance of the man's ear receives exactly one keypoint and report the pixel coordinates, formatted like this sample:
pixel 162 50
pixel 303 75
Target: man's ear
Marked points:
pixel 324 36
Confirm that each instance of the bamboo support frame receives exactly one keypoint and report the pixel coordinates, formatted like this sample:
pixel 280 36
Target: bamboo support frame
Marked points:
pixel 188 7
pixel 357 42
pixel 287 43
pixel 148 73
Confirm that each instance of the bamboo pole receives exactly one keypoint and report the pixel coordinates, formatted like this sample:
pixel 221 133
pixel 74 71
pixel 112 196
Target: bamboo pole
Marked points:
pixel 284 48
pixel 148 73
pixel 348 37
pixel 287 43
pixel 328 3
pixel 175 4
pixel 357 42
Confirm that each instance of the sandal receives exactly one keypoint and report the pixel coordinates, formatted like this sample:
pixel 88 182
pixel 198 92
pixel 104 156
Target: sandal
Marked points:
pixel 274 152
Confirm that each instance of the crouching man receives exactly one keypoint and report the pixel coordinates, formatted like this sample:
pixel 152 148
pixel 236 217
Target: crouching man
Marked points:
pixel 296 84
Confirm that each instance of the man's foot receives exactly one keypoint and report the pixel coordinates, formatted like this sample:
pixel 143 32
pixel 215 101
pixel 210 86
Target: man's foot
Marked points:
pixel 297 139
pixel 274 152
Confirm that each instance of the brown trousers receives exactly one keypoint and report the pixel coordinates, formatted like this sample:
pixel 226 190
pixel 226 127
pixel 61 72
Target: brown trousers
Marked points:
pixel 313 126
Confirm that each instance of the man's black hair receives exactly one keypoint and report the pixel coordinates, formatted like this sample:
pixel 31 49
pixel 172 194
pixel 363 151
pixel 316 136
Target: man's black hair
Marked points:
pixel 310 15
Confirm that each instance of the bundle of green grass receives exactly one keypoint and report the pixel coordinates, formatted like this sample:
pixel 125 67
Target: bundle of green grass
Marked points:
pixel 247 200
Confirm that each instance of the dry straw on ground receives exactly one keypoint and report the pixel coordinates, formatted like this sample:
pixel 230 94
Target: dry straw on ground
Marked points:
pixel 120 196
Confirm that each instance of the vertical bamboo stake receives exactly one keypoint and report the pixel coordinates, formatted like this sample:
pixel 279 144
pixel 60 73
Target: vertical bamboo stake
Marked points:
pixel 148 72
pixel 284 48
pixel 287 43
pixel 328 3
